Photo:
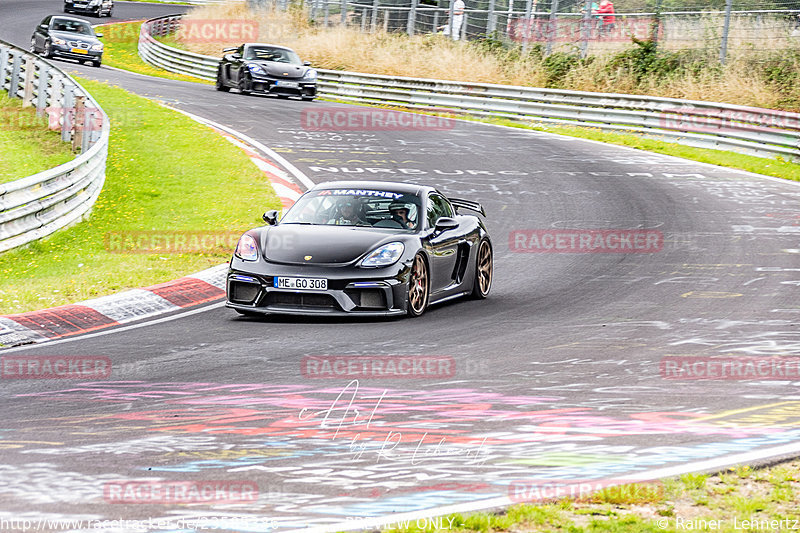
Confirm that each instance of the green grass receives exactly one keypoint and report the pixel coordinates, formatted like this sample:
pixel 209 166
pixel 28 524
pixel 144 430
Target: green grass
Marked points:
pixel 26 145
pixel 165 172
pixel 120 50
pixel 749 495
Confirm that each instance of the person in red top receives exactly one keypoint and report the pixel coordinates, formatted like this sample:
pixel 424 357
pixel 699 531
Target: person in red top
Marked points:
pixel 606 11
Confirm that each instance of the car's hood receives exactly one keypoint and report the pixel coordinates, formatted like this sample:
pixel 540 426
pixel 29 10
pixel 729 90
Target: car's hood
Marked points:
pixel 74 37
pixel 306 244
pixel 282 70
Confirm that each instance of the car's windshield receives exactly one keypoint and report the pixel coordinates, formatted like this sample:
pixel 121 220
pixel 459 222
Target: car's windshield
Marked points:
pixel 269 53
pixel 72 26
pixel 356 207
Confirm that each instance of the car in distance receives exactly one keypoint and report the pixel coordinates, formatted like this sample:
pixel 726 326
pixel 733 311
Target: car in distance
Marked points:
pixel 266 69
pixel 72 38
pixel 97 8
pixel 362 248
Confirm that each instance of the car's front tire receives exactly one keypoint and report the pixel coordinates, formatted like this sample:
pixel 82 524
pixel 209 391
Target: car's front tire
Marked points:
pixel 220 84
pixel 484 271
pixel 418 286
pixel 47 51
pixel 33 45
pixel 307 98
pixel 245 83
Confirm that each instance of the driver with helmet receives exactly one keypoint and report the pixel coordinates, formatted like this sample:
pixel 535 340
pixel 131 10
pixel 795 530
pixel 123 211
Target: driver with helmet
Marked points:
pixel 348 214
pixel 400 213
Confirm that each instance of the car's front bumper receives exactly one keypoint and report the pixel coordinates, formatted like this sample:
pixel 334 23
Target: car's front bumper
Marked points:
pixel 270 85
pixel 65 51
pixel 351 290
pixel 82 8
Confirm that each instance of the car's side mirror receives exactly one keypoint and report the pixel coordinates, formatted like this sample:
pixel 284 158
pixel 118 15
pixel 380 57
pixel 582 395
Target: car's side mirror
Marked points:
pixel 270 217
pixel 306 63
pixel 446 223
pixel 98 35
pixel 43 26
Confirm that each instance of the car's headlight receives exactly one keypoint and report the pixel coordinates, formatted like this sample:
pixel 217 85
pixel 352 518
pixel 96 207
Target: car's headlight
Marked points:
pixel 311 74
pixel 385 255
pixel 246 248
pixel 256 69
pixel 97 47
pixel 59 41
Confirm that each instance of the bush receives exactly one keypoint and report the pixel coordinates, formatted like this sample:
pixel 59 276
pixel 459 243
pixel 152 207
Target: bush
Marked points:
pixel 646 62
pixel 557 65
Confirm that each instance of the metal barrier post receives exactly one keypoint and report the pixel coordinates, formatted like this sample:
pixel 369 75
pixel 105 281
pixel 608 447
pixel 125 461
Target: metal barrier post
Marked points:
pixel 412 15
pixel 551 28
pixel 723 48
pixel 15 68
pixel 586 27
pixel 30 78
pixel 66 110
pixel 490 18
pixel 79 123
pixel 3 66
pixel 44 86
pixel 527 25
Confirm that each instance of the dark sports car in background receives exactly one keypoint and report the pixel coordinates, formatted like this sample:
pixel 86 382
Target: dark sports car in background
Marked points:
pixel 73 38
pixel 362 248
pixel 266 69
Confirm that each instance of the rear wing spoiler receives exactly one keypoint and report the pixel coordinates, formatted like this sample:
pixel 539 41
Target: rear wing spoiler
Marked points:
pixel 468 204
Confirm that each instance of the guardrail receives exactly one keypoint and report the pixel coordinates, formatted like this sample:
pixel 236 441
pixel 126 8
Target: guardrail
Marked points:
pixel 754 131
pixel 38 205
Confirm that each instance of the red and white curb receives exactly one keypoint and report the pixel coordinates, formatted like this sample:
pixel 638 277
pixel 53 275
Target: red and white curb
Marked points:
pixel 148 302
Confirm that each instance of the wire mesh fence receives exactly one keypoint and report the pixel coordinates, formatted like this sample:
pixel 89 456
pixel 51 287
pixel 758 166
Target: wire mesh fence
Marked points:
pixel 586 26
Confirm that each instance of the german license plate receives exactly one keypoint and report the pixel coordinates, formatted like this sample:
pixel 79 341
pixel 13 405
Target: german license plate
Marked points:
pixel 302 284
pixel 287 84
pixel 79 51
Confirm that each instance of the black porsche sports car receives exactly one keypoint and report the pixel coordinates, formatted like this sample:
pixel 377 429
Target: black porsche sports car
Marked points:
pixel 73 38
pixel 362 248
pixel 266 69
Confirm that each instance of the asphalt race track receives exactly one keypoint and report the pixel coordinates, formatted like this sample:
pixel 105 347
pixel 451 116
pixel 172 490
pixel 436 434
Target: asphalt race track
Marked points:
pixel 559 375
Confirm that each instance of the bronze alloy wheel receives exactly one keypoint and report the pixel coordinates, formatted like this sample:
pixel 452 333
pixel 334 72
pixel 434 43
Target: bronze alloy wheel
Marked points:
pixel 245 83
pixel 484 269
pixel 418 287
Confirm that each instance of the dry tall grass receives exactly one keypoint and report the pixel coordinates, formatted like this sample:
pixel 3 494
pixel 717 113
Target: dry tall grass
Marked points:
pixel 434 56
